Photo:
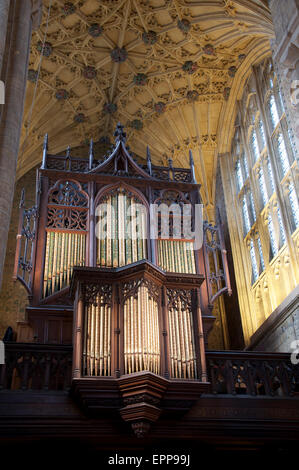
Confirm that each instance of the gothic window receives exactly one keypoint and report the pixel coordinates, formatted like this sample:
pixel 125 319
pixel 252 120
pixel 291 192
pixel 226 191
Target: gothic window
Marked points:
pixel 262 263
pixel 282 237
pixel 273 113
pixel 245 165
pixel 252 207
pixel 254 146
pixel 282 154
pixel 246 218
pixel 267 145
pixel 255 270
pixel 263 188
pixel 261 134
pixel 270 175
pixel 294 207
pixel 273 243
pixel 239 175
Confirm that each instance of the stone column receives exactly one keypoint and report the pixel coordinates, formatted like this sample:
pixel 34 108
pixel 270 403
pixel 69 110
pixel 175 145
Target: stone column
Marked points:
pixel 16 23
pixel 4 9
pixel 285 50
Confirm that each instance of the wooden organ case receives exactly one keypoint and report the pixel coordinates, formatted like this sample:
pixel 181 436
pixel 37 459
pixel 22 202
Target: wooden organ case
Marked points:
pixel 137 308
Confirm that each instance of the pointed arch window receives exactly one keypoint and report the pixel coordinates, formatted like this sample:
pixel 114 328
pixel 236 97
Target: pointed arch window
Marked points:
pixel 246 218
pixel 281 228
pixel 245 165
pixel 239 175
pixel 270 174
pixel 252 207
pixel 262 262
pixel 262 133
pixel 294 206
pixel 273 244
pixel 263 187
pixel 255 270
pixel 274 117
pixel 283 154
pixel 254 146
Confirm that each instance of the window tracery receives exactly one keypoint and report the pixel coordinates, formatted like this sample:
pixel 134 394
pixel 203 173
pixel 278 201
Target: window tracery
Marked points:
pixel 264 147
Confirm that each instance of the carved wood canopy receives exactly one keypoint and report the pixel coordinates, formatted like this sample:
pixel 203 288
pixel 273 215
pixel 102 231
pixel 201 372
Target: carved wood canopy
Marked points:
pixel 169 70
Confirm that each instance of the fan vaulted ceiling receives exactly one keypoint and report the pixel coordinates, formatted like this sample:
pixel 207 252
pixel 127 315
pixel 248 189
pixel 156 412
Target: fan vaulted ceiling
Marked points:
pixel 169 70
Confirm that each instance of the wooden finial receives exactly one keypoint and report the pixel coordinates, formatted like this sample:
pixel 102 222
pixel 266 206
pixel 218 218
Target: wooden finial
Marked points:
pixel 90 154
pixel 45 150
pixel 193 179
pixel 149 160
pixel 22 198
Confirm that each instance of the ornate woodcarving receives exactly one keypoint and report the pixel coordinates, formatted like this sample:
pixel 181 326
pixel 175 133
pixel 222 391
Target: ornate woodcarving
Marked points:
pixel 179 295
pixel 97 294
pixel 130 289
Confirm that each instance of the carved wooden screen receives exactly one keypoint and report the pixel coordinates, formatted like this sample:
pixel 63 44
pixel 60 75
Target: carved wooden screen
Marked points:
pixel 176 253
pixel 66 234
pixel 181 334
pixel 141 327
pixel 216 269
pixel 121 228
pixel 24 258
pixel 97 330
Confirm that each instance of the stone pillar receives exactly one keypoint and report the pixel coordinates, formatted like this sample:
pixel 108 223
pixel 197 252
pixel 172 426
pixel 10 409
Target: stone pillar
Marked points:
pixel 4 9
pixel 17 18
pixel 285 50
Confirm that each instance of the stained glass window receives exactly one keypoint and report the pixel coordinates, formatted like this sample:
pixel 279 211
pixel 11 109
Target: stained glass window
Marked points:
pixel 270 175
pixel 263 187
pixel 246 218
pixel 262 263
pixel 255 271
pixel 281 228
pixel 267 147
pixel 294 205
pixel 252 207
pixel 273 112
pixel 273 243
pixel 283 155
pixel 245 165
pixel 239 175
pixel 254 146
pixel 262 134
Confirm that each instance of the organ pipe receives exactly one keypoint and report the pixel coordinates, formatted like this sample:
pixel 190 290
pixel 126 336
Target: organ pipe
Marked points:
pixel 176 256
pixel 63 251
pixel 122 244
pixel 97 339
pixel 141 333
pixel 181 342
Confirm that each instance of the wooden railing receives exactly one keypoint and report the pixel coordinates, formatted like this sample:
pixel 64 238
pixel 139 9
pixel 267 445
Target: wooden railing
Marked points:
pixel 81 165
pixel 31 366
pixel 252 373
pixel 36 366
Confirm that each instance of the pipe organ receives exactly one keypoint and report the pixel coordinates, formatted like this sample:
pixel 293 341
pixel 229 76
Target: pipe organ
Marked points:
pixel 141 303
pixel 121 228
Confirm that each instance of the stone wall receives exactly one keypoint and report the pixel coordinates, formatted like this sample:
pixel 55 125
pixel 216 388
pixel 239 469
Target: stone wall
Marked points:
pixel 281 328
